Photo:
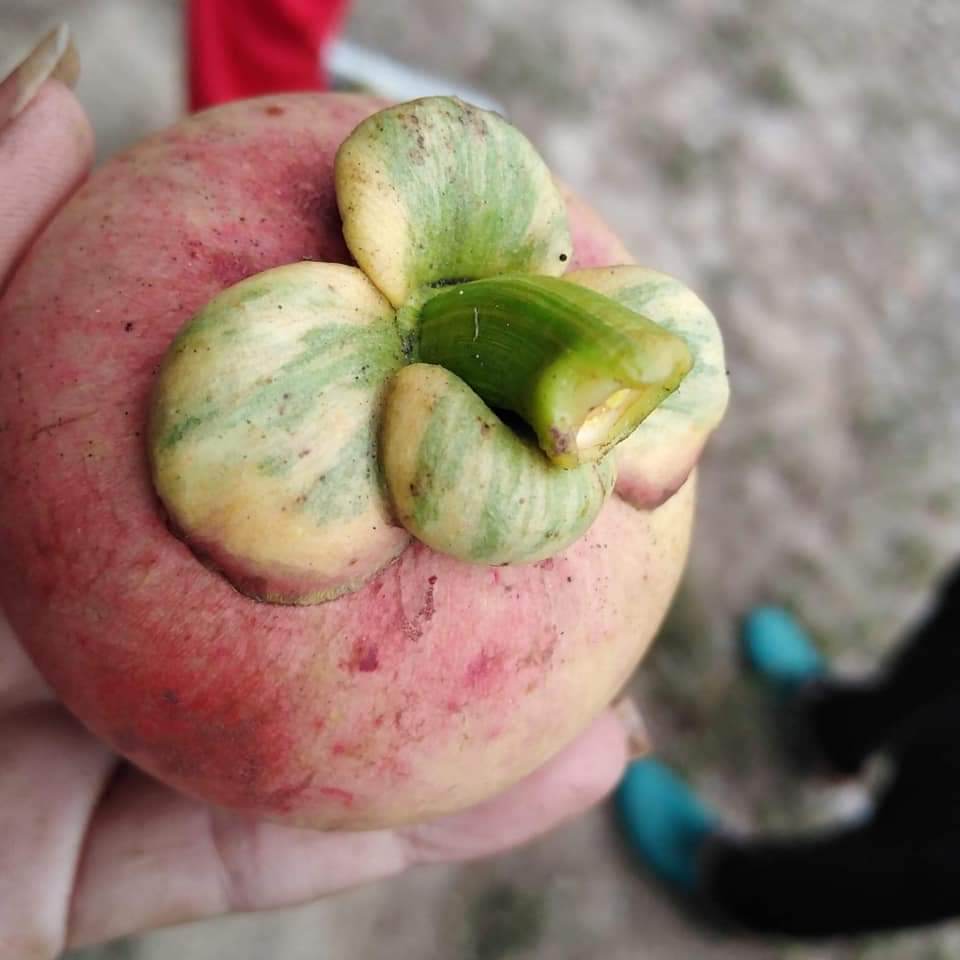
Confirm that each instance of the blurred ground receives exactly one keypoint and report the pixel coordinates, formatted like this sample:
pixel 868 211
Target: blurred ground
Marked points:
pixel 796 162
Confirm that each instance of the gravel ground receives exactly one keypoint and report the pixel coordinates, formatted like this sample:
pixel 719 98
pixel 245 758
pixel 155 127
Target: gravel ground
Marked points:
pixel 796 163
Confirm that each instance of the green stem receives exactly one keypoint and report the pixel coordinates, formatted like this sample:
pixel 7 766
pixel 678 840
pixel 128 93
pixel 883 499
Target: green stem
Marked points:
pixel 581 369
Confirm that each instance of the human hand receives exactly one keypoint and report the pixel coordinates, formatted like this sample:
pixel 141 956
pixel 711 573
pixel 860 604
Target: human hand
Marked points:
pixel 93 849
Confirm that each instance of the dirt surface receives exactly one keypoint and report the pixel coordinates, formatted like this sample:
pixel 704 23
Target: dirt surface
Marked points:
pixel 796 162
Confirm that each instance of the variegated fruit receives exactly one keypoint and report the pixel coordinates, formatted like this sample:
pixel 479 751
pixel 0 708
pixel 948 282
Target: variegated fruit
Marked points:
pixel 257 532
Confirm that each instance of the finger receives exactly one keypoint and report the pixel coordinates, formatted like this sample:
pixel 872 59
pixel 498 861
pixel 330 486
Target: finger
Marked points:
pixel 153 858
pixel 20 683
pixel 51 776
pixel 53 58
pixel 46 145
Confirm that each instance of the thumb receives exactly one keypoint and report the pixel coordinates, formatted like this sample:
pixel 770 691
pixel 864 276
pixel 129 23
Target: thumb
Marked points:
pixel 46 144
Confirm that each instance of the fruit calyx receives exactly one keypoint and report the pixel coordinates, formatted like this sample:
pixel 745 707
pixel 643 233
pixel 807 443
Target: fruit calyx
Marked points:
pixel 312 418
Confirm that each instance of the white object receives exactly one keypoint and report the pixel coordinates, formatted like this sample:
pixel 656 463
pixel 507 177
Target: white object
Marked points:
pixel 347 61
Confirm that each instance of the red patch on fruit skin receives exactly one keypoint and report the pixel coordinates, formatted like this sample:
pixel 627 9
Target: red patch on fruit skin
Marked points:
pixel 484 673
pixel 227 266
pixel 344 797
pixel 369 661
pixel 364 658
pixel 283 799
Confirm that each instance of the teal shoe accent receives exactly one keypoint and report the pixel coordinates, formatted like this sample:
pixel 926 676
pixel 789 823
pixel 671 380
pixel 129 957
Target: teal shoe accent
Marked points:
pixel 778 649
pixel 665 822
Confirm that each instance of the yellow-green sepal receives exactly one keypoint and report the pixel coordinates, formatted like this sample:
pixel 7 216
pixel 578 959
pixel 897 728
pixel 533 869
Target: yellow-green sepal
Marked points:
pixel 466 484
pixel 657 457
pixel 264 432
pixel 437 190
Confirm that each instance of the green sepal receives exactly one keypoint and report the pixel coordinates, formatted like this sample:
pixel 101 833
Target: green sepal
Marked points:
pixel 436 190
pixel 581 369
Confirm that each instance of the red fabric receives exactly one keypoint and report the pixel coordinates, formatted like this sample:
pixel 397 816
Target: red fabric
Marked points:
pixel 245 48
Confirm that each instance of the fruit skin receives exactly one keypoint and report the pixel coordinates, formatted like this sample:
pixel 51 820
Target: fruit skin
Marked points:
pixel 431 688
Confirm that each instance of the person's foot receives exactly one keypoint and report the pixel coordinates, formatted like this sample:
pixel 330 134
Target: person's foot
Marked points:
pixel 779 651
pixel 781 655
pixel 665 822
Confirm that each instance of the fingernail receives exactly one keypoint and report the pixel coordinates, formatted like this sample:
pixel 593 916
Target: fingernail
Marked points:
pixel 638 737
pixel 54 57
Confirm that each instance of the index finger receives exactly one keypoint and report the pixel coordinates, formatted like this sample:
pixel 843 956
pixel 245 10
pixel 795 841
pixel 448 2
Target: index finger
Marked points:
pixel 45 151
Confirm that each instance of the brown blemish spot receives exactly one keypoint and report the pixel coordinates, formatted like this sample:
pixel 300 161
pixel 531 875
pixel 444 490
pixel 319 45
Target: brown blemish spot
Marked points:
pixel 412 631
pixel 428 609
pixel 541 653
pixel 61 422
pixel 274 110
